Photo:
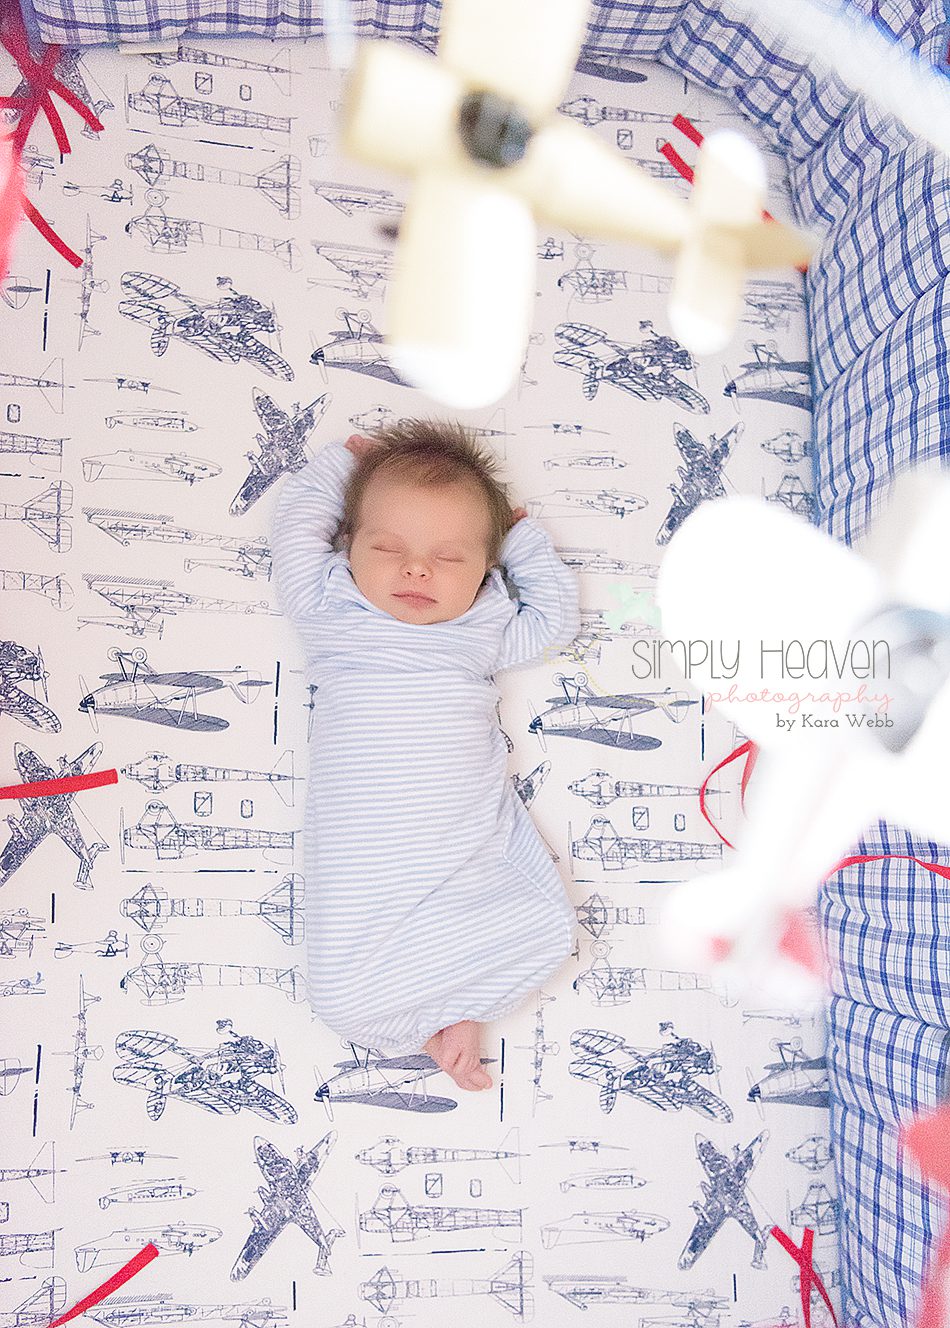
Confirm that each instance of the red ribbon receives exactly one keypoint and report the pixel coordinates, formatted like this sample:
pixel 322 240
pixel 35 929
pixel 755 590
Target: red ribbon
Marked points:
pixel 135 1265
pixel 747 749
pixel 808 1275
pixel 47 788
pixel 41 83
pixel 668 151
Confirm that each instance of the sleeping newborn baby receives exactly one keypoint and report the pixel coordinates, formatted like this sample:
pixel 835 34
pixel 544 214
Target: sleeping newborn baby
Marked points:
pixel 431 903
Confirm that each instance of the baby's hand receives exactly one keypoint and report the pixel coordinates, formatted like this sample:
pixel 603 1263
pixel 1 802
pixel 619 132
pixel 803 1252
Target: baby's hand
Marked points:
pixel 359 445
pixel 516 514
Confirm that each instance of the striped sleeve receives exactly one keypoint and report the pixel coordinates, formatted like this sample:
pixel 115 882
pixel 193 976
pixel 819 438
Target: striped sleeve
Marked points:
pixel 547 606
pixel 305 521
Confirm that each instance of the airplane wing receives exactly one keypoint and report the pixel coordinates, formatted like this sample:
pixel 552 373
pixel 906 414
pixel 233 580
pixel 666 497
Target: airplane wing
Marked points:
pixel 28 832
pixel 18 703
pixel 707 1104
pixel 700 1236
pixel 312 1161
pixel 268 359
pixel 264 1101
pixel 410 1101
pixel 310 1226
pixel 263 1234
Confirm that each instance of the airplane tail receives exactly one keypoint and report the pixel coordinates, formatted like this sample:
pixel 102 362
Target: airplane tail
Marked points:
pixel 284 766
pixel 280 909
pixel 45 512
pixel 509 1286
pixel 47 1302
pixel 45 1161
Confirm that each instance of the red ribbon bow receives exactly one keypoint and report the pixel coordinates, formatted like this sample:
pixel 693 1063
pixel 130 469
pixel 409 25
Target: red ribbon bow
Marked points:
pixel 41 84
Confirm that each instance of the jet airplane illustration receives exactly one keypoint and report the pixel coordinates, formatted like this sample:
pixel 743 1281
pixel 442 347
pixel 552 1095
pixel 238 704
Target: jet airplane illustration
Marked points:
pixel 285 1202
pixel 283 445
pixel 724 1197
pixel 48 815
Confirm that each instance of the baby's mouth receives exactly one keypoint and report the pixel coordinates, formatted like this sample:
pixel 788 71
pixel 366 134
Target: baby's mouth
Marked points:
pixel 414 597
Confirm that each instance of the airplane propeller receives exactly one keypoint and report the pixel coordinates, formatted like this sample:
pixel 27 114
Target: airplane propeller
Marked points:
pixel 477 129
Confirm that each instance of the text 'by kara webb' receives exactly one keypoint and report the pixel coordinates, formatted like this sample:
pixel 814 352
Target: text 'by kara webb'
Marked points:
pixel 776 660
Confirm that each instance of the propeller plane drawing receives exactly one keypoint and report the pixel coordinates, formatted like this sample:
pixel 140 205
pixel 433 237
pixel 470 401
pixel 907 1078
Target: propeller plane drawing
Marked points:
pixel 138 691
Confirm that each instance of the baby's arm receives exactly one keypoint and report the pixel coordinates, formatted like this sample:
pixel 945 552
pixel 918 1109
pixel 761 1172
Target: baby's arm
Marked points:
pixel 305 521
pixel 548 611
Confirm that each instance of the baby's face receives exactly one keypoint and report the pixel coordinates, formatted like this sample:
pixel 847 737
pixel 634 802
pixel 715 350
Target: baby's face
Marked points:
pixel 427 541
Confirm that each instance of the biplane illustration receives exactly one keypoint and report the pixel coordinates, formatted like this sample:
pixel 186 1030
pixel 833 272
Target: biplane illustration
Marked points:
pixel 250 556
pixel 393 1215
pixel 224 328
pixel 50 815
pixel 222 1079
pixel 700 478
pixel 770 378
pixel 359 348
pixel 137 691
pixel 384 1081
pixel 648 370
pixel 796 1079
pixel 285 1202
pixel 724 1197
pixel 662 1077
pixel 282 445
pixel 146 601
pixel 17 665
pixel 577 714
pixel 159 829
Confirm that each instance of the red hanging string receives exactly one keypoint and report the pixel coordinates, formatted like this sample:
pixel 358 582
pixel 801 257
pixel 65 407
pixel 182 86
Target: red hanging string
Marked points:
pixel 134 1265
pixel 47 788
pixel 808 1276
pixel 41 83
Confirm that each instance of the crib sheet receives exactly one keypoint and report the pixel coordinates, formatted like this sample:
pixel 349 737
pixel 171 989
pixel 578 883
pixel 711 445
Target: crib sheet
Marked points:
pixel 162 1076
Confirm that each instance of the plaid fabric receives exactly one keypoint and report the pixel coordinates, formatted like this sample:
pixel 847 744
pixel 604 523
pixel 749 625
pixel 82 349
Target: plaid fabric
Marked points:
pixel 877 302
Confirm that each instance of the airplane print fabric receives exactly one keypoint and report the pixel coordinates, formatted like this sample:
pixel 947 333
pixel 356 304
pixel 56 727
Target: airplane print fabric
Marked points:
pixel 161 1078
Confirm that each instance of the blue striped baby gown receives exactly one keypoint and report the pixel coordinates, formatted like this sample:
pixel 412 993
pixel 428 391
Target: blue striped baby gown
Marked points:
pixel 430 896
